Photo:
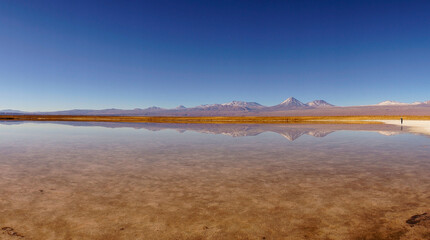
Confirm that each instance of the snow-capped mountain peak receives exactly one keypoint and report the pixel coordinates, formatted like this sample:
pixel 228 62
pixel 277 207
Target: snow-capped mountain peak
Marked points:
pixel 242 104
pixel 231 106
pixel 388 103
pixel 319 103
pixel 292 102
pixel 153 108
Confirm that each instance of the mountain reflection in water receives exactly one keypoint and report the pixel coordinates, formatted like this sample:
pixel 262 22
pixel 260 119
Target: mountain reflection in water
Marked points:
pixel 288 131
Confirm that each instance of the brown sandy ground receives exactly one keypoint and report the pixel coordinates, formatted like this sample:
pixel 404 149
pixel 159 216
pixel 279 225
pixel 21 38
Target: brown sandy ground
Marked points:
pixel 214 119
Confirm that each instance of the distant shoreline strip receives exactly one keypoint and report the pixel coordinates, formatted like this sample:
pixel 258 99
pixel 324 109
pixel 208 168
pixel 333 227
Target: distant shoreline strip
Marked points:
pixel 216 120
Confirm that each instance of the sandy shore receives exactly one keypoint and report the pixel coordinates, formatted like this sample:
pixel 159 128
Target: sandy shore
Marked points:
pixel 414 126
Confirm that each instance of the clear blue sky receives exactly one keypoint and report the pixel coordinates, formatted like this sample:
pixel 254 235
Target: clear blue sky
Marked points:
pixel 58 55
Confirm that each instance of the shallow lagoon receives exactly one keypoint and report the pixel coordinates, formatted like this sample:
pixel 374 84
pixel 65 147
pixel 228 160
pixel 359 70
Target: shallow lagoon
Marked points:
pixel 183 181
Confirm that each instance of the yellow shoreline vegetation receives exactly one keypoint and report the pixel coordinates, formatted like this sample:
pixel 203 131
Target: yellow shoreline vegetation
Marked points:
pixel 217 119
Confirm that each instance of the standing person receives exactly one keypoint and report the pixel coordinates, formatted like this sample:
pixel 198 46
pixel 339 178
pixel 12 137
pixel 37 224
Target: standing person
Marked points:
pixel 401 120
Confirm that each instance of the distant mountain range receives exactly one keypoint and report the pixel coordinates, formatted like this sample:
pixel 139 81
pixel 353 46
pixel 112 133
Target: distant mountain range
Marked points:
pixel 400 103
pixel 291 106
pixel 5 111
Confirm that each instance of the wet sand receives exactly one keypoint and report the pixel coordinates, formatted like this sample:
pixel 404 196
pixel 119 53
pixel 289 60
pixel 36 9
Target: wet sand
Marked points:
pixel 89 183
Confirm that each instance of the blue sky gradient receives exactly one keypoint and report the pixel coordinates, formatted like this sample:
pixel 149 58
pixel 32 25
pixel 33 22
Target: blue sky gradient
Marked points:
pixel 57 55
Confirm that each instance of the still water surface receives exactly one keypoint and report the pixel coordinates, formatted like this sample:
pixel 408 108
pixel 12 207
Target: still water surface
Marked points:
pixel 182 181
